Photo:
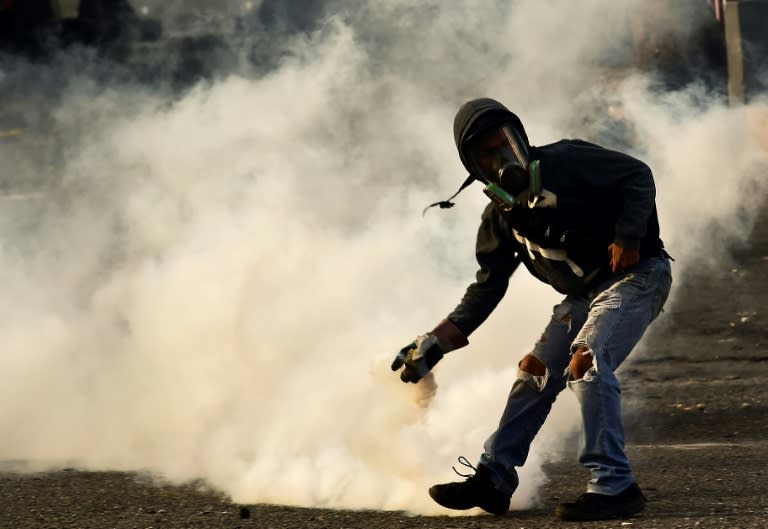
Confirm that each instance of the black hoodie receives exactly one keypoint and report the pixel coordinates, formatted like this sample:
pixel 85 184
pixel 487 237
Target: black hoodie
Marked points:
pixel 591 198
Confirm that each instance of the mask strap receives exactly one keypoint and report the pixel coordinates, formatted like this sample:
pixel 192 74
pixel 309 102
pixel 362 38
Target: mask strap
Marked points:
pixel 445 204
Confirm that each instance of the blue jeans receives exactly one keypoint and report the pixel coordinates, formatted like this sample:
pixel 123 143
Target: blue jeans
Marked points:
pixel 609 322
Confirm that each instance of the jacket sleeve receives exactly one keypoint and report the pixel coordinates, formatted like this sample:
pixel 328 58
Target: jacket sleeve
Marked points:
pixel 498 258
pixel 622 177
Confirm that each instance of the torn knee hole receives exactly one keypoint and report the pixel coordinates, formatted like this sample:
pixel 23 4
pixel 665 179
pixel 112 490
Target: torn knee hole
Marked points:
pixel 581 362
pixel 533 366
pixel 532 372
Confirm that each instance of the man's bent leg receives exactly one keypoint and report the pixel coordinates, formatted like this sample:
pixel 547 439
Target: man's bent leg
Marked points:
pixel 618 317
pixel 540 378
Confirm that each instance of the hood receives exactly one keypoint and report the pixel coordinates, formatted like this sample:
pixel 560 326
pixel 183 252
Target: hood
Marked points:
pixel 478 115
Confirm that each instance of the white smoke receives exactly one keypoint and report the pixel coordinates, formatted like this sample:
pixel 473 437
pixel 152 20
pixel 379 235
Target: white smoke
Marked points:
pixel 219 285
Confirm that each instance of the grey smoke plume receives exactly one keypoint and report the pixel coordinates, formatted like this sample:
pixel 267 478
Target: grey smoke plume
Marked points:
pixel 215 286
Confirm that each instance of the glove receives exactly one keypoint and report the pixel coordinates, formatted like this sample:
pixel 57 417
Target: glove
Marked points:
pixel 622 258
pixel 418 357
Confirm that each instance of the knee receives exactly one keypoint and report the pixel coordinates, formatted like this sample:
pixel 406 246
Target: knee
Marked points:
pixel 581 362
pixel 533 373
pixel 533 366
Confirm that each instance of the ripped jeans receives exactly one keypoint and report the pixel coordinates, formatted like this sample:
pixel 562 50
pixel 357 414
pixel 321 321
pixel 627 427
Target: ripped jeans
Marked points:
pixel 608 322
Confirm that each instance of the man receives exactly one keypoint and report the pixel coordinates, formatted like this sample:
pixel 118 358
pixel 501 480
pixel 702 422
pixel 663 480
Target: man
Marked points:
pixel 582 219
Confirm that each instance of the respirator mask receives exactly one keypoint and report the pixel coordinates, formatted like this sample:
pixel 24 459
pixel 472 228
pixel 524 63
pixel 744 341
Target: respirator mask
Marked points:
pixel 499 157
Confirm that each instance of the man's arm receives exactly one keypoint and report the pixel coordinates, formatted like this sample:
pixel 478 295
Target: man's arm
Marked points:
pixel 626 178
pixel 498 258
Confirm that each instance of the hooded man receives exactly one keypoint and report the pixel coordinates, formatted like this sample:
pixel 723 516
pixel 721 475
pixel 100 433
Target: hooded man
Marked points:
pixel 582 219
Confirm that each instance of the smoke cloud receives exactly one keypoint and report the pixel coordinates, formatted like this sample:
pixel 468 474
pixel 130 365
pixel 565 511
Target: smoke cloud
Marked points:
pixel 213 287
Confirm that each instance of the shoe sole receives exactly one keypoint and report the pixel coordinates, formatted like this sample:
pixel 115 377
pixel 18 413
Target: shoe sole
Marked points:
pixel 495 512
pixel 629 512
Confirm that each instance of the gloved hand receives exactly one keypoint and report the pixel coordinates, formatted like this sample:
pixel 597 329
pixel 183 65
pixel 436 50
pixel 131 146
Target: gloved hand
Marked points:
pixel 418 357
pixel 622 258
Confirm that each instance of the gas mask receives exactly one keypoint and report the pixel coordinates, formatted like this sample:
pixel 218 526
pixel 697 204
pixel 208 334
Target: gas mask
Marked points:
pixel 499 157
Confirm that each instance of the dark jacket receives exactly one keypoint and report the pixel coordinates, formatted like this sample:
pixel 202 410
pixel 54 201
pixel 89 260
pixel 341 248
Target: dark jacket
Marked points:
pixel 591 198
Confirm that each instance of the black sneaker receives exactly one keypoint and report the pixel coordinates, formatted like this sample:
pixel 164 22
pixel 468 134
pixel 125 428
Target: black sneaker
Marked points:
pixel 591 506
pixel 476 491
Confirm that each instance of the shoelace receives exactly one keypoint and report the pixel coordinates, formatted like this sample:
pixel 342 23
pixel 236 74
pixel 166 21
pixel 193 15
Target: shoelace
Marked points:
pixel 464 461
